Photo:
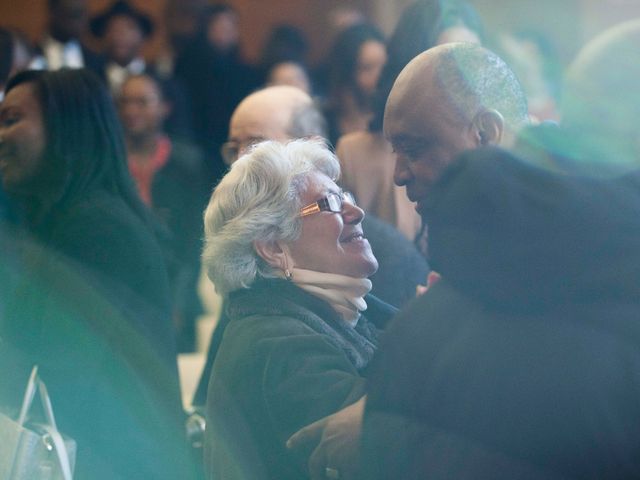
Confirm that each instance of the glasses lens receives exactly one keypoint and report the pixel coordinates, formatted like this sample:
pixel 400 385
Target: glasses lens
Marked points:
pixel 334 202
pixel 229 152
pixel 348 197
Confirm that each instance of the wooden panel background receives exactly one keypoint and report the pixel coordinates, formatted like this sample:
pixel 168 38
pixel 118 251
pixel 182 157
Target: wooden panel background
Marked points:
pixel 568 22
pixel 257 17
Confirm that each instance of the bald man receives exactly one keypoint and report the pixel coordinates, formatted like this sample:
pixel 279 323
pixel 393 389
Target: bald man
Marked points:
pixel 449 99
pixel 518 363
pixel 499 370
pixel 275 113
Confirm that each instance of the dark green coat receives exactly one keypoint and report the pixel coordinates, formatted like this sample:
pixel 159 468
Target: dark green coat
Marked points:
pixel 286 360
pixel 87 300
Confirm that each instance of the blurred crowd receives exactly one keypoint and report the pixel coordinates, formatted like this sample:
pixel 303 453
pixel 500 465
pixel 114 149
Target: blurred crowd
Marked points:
pixel 108 162
pixel 175 109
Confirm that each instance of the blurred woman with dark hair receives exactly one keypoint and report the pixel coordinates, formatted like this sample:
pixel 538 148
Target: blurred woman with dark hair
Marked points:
pixel 90 302
pixel 285 43
pixel 216 78
pixel 355 62
pixel 284 58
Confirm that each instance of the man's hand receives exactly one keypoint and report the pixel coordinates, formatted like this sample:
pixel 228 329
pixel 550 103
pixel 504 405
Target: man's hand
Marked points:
pixel 336 439
pixel 432 279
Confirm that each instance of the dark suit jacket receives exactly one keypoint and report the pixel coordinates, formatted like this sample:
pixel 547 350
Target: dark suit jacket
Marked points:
pixel 522 362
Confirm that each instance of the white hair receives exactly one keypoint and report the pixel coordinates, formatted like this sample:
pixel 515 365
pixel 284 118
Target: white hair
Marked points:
pixel 259 199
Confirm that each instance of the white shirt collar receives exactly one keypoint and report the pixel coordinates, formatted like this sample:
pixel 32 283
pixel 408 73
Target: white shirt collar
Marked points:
pixel 116 74
pixel 57 54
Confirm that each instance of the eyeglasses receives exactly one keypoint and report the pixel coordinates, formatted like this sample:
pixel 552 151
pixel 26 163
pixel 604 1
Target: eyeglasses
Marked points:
pixel 231 150
pixel 333 202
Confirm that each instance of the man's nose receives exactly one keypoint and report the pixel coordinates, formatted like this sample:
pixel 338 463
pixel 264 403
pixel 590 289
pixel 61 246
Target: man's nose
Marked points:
pixel 401 172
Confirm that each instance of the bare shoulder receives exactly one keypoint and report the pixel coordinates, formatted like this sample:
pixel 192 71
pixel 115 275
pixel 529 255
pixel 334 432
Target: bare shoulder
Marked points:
pixel 357 140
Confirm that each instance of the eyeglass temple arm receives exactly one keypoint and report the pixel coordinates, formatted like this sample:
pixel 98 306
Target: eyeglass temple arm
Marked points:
pixel 314 207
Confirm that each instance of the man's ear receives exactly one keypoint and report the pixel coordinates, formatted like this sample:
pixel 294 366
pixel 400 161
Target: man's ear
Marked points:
pixel 274 253
pixel 488 127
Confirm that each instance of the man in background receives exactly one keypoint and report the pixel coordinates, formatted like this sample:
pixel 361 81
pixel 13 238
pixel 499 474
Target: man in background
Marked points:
pixel 62 45
pixel 123 31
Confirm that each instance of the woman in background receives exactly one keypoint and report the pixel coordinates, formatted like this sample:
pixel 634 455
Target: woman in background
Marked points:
pixel 355 62
pixel 85 292
pixel 284 58
pixel 216 79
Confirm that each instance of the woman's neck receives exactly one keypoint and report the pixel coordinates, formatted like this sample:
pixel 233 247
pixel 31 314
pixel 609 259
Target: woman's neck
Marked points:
pixel 345 294
pixel 353 117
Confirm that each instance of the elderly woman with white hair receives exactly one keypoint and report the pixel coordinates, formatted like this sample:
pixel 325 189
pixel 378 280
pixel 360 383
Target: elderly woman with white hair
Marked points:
pixel 285 246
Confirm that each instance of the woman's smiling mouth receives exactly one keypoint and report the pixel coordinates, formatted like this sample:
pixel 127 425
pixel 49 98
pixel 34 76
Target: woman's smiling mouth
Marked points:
pixel 354 237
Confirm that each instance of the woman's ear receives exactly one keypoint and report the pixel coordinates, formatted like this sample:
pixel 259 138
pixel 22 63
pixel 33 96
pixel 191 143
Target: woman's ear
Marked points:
pixel 488 127
pixel 273 252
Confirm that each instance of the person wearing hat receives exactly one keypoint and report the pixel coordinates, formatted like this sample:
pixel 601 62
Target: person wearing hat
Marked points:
pixel 123 29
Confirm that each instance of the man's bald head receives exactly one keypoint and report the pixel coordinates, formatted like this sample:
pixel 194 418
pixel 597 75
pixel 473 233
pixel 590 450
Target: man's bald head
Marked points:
pixel 471 79
pixel 602 98
pixel 449 99
pixel 279 113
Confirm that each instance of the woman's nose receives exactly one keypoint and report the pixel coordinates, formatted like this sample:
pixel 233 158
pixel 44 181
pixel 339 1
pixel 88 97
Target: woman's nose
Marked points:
pixel 352 214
